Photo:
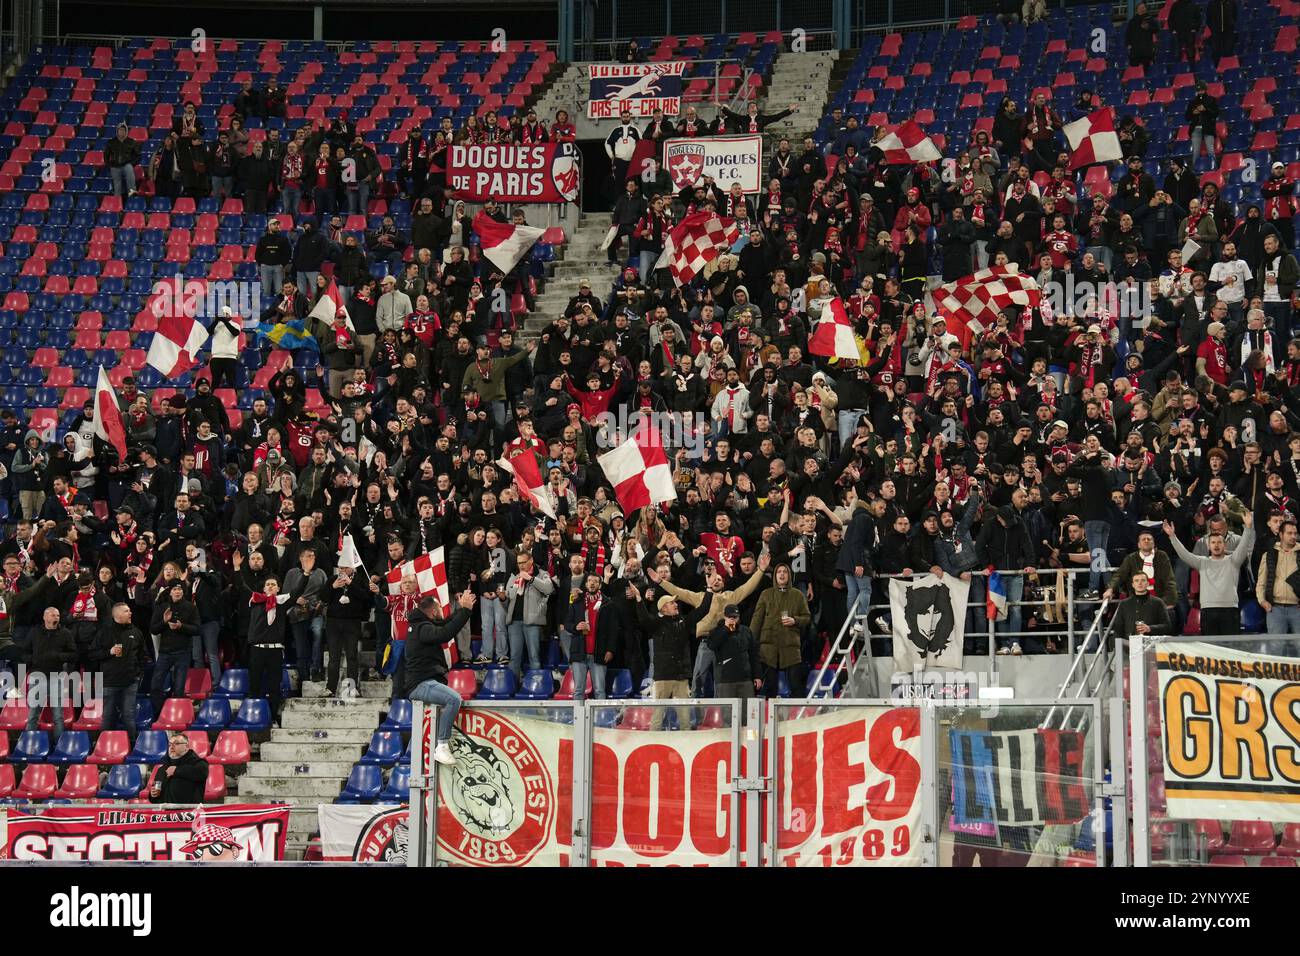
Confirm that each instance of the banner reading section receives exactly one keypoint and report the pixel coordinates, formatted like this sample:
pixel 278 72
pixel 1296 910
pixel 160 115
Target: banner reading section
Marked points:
pixel 1230 726
pixel 138 835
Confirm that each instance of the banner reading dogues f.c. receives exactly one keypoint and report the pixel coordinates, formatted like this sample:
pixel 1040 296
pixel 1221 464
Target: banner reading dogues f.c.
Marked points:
pixel 1230 728
pixel 640 88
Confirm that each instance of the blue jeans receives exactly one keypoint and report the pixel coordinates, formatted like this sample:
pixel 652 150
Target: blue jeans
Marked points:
pixel 579 663
pixel 120 702
pixel 492 613
pixel 171 666
pixel 522 634
pixel 445 699
pixel 1283 619
pixel 322 202
pixel 223 186
pixel 272 280
pixel 309 645
pixel 705 660
pixel 647 259
pixel 1199 136
pixel 207 640
pixel 857 594
pixel 359 199
pixel 307 283
pixel 1015 585
pixel 290 200
pixel 1098 537
pixel 847 420
pixel 123 179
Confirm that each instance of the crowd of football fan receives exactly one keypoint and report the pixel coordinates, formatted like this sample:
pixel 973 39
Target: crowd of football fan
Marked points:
pixel 1087 436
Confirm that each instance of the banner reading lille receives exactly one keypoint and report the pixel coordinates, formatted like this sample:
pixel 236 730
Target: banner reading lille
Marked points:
pixel 1230 726
pixel 541 173
pixel 640 88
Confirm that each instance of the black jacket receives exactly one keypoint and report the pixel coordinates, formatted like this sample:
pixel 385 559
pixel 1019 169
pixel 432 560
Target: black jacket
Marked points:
pixel 186 785
pixel 174 638
pixel 736 653
pixel 426 640
pixel 672 639
pixel 1148 609
pixel 52 650
pixel 119 671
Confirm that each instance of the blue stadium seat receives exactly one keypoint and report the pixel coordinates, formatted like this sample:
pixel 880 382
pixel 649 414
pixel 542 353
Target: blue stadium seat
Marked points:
pixel 365 783
pixel 398 789
pixel 621 685
pixel 385 748
pixel 73 747
pixel 399 717
pixel 150 746
pixel 33 746
pixel 214 714
pixel 233 684
pixel 123 783
pixel 498 684
pixel 537 685
pixel 254 715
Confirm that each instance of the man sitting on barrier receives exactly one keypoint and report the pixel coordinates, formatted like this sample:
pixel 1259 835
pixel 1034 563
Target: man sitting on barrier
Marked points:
pixel 427 663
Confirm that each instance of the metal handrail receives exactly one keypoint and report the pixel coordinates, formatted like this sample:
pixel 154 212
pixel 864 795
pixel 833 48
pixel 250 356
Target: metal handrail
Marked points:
pixel 1102 653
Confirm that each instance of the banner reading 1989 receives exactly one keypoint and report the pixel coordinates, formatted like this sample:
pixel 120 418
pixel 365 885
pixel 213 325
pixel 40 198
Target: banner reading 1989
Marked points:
pixel 1230 724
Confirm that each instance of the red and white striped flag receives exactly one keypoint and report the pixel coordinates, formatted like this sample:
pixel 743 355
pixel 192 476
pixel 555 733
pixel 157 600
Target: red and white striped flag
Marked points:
pixel 907 143
pixel 430 573
pixel 1093 139
pixel 834 333
pixel 331 306
pixel 695 242
pixel 175 345
pixel 639 470
pixel 504 244
pixel 976 300
pixel 108 417
pixel 529 481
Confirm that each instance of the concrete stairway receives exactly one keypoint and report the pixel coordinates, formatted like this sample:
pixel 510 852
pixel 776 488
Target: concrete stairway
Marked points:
pixel 308 757
pixel 582 259
pixel 569 92
pixel 802 80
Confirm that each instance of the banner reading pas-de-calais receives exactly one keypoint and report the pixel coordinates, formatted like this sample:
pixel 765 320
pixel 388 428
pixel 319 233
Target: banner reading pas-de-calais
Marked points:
pixel 928 615
pixel 640 88
pixel 514 172
pixel 1230 726
pixel 728 159
pixel 1019 777
pixel 849 786
pixel 138 835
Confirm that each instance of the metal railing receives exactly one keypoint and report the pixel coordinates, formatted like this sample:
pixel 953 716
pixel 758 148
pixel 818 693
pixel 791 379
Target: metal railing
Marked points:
pixel 839 659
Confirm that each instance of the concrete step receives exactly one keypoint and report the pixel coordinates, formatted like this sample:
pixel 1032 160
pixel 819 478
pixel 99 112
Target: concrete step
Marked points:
pixel 332 736
pixel 305 789
pixel 330 713
pixel 293 754
pixel 331 769
pixel 370 689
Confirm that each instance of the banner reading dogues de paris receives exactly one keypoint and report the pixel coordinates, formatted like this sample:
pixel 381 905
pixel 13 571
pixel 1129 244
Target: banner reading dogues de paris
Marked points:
pixel 1230 730
pixel 640 88
pixel 514 172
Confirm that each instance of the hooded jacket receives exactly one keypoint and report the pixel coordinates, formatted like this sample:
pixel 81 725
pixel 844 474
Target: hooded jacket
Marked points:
pixel 426 640
pixel 778 645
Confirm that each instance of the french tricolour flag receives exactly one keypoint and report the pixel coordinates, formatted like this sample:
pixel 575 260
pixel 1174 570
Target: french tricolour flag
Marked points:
pixel 996 600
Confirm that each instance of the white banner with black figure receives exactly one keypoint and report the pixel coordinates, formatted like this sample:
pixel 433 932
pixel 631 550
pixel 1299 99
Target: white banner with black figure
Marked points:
pixel 929 621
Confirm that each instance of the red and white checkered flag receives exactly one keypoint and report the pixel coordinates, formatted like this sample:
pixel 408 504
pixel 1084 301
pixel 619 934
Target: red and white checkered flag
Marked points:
pixel 430 573
pixel 976 300
pixel 907 143
pixel 1093 139
pixel 695 242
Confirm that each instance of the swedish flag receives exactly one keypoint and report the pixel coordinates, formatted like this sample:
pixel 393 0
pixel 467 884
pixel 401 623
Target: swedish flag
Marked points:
pixel 290 335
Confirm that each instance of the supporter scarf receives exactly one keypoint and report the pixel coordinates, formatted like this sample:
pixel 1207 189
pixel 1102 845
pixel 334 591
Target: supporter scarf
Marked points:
pixel 1193 220
pixel 1089 362
pixel 731 408
pixel 84 607
pixel 536 133
pixel 593 612
pixel 593 558
pixel 291 169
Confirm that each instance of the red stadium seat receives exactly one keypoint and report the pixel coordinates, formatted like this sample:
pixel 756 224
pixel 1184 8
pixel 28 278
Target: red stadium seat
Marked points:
pixel 6 780
pixel 198 682
pixel 81 782
pixel 1211 833
pixel 199 742
pixel 1251 838
pixel 91 717
pixel 231 749
pixel 464 681
pixel 215 790
pixel 177 714
pixel 39 782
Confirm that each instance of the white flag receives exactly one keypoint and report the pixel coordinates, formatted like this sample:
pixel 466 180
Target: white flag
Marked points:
pixel 349 557
pixel 928 617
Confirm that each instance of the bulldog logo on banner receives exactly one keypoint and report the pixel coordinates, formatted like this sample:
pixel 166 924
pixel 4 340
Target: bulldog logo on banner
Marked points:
pixel 685 162
pixel 496 806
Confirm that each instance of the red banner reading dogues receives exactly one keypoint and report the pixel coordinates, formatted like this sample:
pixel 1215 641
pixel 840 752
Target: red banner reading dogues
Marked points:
pixel 514 172
pixel 847 789
pixel 136 834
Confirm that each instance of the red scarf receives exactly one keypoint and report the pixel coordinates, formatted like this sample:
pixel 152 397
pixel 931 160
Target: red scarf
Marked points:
pixel 593 612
